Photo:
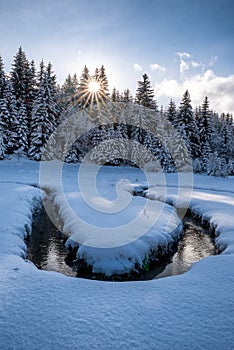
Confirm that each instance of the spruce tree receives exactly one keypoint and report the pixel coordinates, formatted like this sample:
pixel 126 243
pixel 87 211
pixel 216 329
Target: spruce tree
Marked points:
pixel 187 126
pixel 44 113
pixel 3 111
pixel 127 96
pixel 83 89
pixel 69 92
pixel 145 94
pixel 104 85
pixel 114 95
pixel 171 113
pixel 20 75
pixel 8 117
pixel 2 78
pixel 21 130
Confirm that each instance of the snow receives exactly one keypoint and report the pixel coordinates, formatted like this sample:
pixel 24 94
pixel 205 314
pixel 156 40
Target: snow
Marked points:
pixel 46 310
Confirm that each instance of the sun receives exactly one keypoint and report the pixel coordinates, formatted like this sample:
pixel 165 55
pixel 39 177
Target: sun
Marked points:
pixel 94 87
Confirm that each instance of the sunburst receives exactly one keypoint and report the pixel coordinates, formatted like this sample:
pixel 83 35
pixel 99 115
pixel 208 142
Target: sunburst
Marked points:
pixel 92 93
pixel 94 87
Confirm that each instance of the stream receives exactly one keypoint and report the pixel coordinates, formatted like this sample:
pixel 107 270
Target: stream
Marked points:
pixel 46 249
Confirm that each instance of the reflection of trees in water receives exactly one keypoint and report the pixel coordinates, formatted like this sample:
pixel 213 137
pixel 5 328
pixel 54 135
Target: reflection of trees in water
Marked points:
pixel 46 246
pixel 195 245
pixel 46 249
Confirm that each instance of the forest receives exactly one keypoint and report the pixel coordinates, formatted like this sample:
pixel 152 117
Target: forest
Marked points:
pixel 33 105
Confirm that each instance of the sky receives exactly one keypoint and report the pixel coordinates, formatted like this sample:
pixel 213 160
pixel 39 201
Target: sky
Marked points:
pixel 180 44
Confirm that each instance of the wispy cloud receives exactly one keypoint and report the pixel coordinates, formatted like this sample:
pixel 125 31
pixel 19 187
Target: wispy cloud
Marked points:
pixel 219 90
pixel 183 66
pixel 186 62
pixel 156 66
pixel 137 67
pixel 212 60
pixel 183 54
pixel 196 64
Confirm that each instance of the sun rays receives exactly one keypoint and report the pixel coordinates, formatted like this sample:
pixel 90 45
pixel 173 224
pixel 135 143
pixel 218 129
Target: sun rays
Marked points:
pixel 93 90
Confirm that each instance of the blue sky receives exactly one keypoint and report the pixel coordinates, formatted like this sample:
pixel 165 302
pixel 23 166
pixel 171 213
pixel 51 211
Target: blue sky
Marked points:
pixel 180 44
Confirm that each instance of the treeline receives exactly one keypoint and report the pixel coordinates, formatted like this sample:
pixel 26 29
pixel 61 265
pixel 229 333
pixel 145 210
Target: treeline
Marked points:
pixel 32 105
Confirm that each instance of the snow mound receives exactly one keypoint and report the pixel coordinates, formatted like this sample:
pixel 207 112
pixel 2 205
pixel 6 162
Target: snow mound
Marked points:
pixel 115 242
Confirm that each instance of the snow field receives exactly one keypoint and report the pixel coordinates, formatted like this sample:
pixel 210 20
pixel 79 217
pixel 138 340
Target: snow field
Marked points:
pixel 46 310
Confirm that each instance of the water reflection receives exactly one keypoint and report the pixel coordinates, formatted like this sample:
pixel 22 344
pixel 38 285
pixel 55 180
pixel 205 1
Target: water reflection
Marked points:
pixel 195 245
pixel 46 249
pixel 46 246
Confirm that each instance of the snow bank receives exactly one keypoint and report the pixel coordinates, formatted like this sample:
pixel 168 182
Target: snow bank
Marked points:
pixel 213 206
pixel 16 208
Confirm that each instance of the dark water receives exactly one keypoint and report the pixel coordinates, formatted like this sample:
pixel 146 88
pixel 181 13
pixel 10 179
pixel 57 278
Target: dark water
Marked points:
pixel 46 246
pixel 46 249
pixel 195 245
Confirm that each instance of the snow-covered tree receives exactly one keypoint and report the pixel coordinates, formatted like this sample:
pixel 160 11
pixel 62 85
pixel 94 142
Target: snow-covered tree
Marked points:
pixel 83 89
pixel 8 118
pixel 171 113
pixel 2 78
pixel 44 114
pixel 127 96
pixel 21 130
pixel 145 94
pixel 104 85
pixel 187 127
pixel 203 121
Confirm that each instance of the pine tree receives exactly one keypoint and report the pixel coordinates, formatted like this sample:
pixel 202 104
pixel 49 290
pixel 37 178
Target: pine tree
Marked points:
pixel 171 113
pixel 127 96
pixel 114 95
pixel 145 94
pixel 69 92
pixel 21 130
pixel 83 90
pixel 20 75
pixel 44 114
pixel 2 78
pixel 104 85
pixel 8 118
pixel 203 121
pixel 23 82
pixel 187 126
pixel 3 107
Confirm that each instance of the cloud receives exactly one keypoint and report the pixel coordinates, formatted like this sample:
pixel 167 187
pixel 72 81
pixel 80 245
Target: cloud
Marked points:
pixel 196 64
pixel 183 54
pixel 137 67
pixel 156 66
pixel 218 89
pixel 212 60
pixel 183 66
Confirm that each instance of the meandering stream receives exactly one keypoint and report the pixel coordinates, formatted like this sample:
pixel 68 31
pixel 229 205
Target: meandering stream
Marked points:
pixel 46 249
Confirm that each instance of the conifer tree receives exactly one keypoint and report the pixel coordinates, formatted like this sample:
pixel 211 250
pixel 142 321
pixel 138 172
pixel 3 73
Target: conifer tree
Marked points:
pixel 19 76
pixel 2 78
pixel 145 94
pixel 44 113
pixel 21 130
pixel 83 90
pixel 127 96
pixel 104 85
pixel 171 113
pixel 8 118
pixel 187 126
pixel 114 95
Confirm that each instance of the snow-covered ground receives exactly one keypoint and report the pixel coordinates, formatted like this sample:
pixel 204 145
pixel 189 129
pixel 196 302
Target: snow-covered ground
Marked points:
pixel 46 310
